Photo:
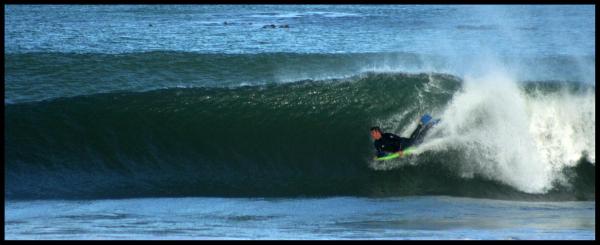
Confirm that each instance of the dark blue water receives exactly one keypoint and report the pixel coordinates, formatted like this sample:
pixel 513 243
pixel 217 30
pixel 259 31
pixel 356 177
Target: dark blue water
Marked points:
pixel 225 121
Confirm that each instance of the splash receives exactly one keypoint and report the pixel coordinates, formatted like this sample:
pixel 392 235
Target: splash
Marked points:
pixel 513 137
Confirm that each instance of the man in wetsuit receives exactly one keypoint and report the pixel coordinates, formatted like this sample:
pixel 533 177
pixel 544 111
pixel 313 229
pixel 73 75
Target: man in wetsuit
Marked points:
pixel 386 143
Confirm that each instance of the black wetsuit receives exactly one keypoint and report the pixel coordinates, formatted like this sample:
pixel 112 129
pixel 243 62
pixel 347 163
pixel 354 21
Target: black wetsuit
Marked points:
pixel 389 143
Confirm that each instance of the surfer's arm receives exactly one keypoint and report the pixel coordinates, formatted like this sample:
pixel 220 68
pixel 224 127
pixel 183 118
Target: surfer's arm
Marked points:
pixel 378 150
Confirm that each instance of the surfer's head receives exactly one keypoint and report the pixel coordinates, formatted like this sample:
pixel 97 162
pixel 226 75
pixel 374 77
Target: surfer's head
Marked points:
pixel 376 133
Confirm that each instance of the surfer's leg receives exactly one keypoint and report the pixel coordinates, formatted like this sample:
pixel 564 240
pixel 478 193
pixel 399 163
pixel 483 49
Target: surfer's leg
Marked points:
pixel 405 143
pixel 415 133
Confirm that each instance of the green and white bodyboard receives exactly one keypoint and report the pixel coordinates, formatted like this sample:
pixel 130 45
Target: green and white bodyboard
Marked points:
pixel 407 152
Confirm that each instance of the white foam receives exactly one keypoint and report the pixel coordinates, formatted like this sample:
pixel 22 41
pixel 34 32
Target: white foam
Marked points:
pixel 515 138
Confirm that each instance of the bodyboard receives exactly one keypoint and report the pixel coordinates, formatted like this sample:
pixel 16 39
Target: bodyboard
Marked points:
pixel 407 152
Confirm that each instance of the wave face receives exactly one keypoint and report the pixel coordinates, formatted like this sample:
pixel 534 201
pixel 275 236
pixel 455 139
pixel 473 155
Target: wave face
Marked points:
pixel 307 138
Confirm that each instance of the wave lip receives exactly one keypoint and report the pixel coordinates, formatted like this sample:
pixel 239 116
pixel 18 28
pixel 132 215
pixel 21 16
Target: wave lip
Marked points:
pixel 49 75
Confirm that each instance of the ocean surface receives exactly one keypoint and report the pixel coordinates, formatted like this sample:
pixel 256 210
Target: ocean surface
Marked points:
pixel 251 121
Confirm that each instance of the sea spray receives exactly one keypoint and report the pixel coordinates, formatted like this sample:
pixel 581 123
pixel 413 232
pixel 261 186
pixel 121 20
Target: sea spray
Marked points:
pixel 487 120
pixel 520 138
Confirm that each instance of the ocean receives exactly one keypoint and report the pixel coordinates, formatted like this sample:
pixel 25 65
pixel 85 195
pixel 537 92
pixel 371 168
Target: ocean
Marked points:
pixel 252 121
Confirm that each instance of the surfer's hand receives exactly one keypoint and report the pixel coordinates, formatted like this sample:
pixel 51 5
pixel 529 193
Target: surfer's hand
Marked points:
pixel 399 153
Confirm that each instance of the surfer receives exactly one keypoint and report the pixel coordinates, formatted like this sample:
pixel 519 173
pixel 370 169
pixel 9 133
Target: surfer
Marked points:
pixel 386 143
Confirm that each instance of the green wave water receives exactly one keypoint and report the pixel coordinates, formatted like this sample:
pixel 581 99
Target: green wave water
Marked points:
pixel 307 138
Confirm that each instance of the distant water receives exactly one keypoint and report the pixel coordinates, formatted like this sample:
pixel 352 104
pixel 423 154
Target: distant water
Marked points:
pixel 234 29
pixel 251 121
